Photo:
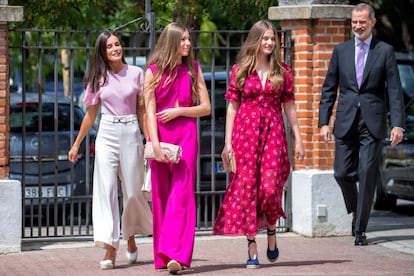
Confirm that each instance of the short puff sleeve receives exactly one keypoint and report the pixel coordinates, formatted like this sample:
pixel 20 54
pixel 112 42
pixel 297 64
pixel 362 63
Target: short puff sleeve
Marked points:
pixel 90 97
pixel 288 93
pixel 233 92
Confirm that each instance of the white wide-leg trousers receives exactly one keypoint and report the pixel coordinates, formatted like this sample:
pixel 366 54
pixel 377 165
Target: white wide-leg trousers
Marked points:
pixel 119 153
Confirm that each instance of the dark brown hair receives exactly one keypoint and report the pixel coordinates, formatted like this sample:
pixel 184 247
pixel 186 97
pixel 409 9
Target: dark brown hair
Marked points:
pixel 96 75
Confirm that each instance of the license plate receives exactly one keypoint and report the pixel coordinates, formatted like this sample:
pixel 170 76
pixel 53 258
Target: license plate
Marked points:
pixel 33 192
pixel 219 167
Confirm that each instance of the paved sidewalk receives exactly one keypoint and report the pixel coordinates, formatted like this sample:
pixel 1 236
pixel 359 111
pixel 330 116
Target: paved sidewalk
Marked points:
pixel 390 252
pixel 220 256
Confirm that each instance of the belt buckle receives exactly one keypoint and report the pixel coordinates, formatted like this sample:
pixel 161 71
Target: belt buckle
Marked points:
pixel 122 120
pixel 118 120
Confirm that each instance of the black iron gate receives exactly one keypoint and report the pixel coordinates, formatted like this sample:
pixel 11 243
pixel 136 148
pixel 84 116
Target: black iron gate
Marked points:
pixel 46 70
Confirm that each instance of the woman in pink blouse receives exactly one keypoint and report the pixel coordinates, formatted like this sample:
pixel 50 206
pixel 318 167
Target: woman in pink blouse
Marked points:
pixel 174 84
pixel 260 87
pixel 116 87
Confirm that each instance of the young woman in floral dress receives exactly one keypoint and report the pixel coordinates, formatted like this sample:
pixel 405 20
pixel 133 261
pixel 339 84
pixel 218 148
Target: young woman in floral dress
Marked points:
pixel 260 88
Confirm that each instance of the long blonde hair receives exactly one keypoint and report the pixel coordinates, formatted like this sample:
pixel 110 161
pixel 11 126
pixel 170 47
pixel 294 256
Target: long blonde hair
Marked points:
pixel 247 56
pixel 165 57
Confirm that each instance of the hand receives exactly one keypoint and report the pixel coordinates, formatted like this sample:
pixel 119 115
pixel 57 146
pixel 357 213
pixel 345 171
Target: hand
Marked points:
pixel 225 153
pixel 161 155
pixel 325 133
pixel 167 114
pixel 73 154
pixel 299 151
pixel 396 136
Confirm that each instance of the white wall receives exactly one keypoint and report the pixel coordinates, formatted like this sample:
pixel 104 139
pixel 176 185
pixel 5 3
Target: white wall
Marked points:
pixel 318 208
pixel 10 216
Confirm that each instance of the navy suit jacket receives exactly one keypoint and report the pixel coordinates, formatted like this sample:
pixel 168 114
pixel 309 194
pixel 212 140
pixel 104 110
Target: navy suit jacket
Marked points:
pixel 379 93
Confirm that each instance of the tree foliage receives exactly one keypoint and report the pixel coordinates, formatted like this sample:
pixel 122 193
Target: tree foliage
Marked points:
pixel 101 14
pixel 393 16
pixel 110 14
pixel 77 14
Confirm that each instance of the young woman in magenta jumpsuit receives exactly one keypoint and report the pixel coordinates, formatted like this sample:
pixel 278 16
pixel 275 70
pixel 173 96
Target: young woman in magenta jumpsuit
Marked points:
pixel 260 86
pixel 173 84
pixel 117 88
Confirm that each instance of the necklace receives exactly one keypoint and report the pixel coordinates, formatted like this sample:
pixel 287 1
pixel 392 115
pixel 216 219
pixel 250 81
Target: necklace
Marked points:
pixel 262 74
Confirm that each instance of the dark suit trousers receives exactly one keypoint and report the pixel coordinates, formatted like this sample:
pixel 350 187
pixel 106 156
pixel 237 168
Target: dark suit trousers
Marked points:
pixel 356 169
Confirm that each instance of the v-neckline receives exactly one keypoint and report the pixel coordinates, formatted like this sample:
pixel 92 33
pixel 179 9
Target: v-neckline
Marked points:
pixel 262 81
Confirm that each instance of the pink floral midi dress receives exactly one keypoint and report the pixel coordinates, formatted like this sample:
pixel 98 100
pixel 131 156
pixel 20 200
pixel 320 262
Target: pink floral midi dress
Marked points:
pixel 254 196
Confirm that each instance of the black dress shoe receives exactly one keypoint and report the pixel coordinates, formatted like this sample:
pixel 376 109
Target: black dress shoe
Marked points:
pixel 360 239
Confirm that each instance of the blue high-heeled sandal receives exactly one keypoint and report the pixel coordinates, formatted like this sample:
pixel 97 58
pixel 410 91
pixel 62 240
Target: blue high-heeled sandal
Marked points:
pixel 272 255
pixel 252 263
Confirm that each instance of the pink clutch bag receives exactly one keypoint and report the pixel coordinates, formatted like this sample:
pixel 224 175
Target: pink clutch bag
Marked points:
pixel 174 152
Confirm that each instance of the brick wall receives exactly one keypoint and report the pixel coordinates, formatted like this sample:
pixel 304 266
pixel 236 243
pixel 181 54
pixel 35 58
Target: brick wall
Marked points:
pixel 4 101
pixel 313 42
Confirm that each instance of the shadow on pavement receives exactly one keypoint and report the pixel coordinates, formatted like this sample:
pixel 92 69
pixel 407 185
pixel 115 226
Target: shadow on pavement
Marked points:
pixel 221 267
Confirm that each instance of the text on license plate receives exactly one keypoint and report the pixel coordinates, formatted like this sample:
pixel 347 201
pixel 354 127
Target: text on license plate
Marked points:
pixel 219 167
pixel 33 192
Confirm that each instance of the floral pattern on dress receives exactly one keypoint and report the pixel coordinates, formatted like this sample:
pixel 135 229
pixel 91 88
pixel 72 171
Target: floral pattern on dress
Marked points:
pixel 254 196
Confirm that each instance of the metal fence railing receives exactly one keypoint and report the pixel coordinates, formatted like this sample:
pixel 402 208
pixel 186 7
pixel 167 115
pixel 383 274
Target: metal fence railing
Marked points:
pixel 50 64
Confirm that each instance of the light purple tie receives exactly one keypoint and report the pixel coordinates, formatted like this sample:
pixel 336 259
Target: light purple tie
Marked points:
pixel 359 66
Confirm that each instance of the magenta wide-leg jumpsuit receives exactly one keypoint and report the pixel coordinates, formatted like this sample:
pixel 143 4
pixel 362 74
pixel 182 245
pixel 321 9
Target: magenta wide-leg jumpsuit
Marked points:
pixel 173 200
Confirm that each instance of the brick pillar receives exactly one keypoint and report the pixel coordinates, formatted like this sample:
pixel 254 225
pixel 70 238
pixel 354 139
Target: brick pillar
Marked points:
pixel 4 101
pixel 316 29
pixel 7 14
pixel 10 190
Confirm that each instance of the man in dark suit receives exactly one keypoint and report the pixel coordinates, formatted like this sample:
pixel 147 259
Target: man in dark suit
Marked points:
pixel 369 87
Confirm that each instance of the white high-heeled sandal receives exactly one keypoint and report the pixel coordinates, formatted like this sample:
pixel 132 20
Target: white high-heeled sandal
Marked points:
pixel 132 257
pixel 107 264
